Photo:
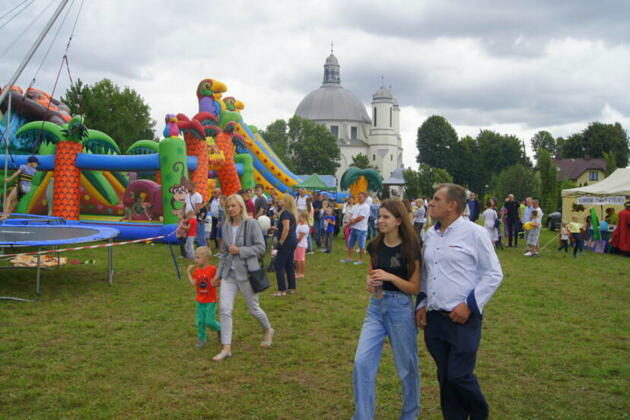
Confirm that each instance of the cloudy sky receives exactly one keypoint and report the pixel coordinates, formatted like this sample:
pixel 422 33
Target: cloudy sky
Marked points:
pixel 515 67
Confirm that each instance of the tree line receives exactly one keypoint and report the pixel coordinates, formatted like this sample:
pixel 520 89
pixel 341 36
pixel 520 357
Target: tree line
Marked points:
pixel 496 164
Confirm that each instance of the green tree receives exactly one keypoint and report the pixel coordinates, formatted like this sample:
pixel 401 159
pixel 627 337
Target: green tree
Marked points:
pixel 516 179
pixel 548 182
pixel 500 151
pixel 611 162
pixel 436 143
pixel 600 138
pixel 422 181
pixel 543 140
pixel 362 161
pixel 313 148
pixel 413 184
pixel 468 170
pixel 277 136
pixel 573 147
pixel 122 114
pixel 596 139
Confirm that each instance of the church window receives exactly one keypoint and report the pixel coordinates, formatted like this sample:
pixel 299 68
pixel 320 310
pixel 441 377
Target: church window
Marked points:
pixel 391 157
pixel 390 116
pixel 373 157
pixel 334 129
pixel 353 133
pixel 374 116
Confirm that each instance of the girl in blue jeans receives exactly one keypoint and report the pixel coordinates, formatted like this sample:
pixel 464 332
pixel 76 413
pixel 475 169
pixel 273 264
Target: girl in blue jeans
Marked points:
pixel 393 278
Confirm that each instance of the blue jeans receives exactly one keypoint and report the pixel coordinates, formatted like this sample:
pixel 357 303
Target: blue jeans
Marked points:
pixel 317 232
pixel 393 317
pixel 357 236
pixel 201 233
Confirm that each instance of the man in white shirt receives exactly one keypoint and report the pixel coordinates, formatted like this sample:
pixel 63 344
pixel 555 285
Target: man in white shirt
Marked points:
pixel 419 218
pixel 358 229
pixel 300 201
pixel 214 211
pixel 194 201
pixel 461 272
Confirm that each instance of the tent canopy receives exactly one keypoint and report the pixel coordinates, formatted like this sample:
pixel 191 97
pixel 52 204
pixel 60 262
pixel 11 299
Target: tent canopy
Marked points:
pixel 315 183
pixel 618 183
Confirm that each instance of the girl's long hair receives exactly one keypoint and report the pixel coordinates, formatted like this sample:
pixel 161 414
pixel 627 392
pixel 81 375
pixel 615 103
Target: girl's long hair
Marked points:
pixel 288 204
pixel 410 246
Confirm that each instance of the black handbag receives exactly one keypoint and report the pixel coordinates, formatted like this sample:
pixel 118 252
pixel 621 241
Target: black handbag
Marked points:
pixel 257 278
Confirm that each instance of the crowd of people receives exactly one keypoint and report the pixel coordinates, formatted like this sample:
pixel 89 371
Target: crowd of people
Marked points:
pixel 426 249
pixel 385 236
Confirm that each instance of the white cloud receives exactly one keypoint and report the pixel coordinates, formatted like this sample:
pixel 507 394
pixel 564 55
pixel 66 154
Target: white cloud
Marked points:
pixel 516 67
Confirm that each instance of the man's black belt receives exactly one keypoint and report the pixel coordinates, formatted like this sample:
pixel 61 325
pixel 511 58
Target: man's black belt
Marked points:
pixel 445 314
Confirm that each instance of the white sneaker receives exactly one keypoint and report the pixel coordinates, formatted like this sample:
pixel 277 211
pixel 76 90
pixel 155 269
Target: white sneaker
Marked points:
pixel 528 254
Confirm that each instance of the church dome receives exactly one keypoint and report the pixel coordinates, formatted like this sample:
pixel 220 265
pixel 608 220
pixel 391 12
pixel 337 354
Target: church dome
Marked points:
pixel 383 93
pixel 332 59
pixel 332 102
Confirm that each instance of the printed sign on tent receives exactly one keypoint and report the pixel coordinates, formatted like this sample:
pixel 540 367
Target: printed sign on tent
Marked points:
pixel 617 200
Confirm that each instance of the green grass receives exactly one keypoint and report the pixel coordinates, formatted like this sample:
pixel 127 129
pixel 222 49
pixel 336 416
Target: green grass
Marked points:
pixel 555 344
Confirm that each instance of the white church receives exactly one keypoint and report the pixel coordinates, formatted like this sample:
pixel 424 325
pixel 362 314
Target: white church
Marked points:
pixel 345 116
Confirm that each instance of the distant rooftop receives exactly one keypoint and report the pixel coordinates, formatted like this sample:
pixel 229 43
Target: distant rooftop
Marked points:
pixel 572 168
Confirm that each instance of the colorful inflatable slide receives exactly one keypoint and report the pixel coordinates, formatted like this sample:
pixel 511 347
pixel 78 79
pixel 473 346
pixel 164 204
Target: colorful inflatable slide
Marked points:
pixel 84 177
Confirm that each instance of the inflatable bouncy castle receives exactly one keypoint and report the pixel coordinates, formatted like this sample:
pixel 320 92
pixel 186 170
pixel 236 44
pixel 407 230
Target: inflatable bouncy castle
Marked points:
pixel 84 176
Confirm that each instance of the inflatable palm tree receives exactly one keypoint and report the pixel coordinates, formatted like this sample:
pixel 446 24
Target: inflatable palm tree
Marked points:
pixel 70 140
pixel 361 180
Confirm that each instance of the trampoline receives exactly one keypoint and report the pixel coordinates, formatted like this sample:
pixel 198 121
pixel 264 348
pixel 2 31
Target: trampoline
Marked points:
pixel 32 219
pixel 43 236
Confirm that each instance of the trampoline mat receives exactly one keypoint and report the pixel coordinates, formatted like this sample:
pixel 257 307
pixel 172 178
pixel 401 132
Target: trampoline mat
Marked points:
pixel 42 235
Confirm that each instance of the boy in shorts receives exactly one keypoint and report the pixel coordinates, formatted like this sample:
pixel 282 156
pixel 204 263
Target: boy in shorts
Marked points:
pixel 25 175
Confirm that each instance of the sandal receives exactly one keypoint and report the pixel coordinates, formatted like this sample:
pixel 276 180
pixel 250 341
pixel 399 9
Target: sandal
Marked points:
pixel 291 291
pixel 222 356
pixel 280 293
pixel 268 338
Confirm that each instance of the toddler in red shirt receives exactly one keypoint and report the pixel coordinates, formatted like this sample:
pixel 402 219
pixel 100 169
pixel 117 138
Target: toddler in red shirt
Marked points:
pixel 191 234
pixel 200 275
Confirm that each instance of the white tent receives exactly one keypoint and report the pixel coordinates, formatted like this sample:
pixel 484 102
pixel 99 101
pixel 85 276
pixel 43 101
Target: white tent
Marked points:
pixel 618 183
pixel 612 191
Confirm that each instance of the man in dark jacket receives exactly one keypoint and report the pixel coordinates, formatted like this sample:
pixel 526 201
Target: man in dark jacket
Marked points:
pixel 513 223
pixel 473 207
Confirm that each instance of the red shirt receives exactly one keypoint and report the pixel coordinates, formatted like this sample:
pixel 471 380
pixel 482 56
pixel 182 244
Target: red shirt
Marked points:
pixel 206 293
pixel 250 207
pixel 192 227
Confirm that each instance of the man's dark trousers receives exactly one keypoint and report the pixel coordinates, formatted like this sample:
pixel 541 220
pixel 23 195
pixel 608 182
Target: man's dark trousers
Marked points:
pixel 512 231
pixel 454 349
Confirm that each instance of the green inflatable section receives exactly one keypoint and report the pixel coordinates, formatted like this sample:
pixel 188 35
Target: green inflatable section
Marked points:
pixel 174 169
pixel 100 183
pixel 247 177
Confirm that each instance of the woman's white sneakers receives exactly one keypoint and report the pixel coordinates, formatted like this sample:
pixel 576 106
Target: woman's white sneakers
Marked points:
pixel 222 356
pixel 268 338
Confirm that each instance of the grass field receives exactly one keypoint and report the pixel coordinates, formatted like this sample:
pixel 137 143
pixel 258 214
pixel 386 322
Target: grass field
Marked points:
pixel 554 346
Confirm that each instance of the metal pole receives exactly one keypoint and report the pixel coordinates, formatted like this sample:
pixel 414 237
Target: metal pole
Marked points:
pixel 170 247
pixel 110 263
pixel 7 136
pixel 38 273
pixel 31 52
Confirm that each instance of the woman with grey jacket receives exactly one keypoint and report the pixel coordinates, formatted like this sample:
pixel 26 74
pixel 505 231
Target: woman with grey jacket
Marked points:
pixel 243 243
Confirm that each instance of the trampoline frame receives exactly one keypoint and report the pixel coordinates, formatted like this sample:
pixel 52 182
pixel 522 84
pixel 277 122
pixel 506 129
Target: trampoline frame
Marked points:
pixel 38 267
